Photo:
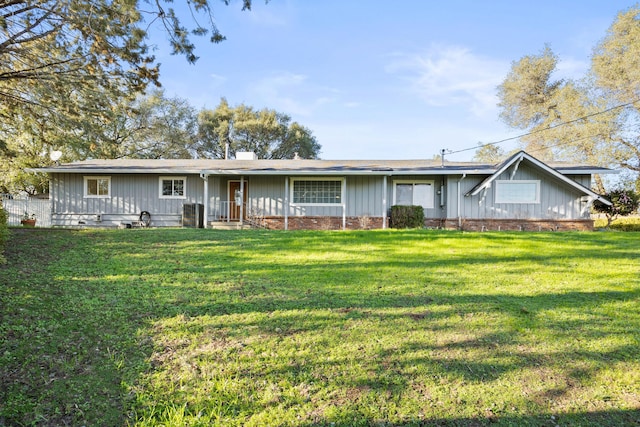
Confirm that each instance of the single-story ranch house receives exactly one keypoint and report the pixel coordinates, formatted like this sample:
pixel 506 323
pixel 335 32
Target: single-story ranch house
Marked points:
pixel 522 193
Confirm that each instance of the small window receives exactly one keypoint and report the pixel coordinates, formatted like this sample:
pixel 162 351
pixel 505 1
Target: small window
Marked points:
pixel 517 191
pixel 414 193
pixel 316 191
pixel 97 186
pixel 173 187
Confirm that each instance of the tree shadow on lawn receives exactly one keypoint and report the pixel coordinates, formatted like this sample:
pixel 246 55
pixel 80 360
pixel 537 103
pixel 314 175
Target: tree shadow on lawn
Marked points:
pixel 347 293
pixel 597 418
pixel 96 324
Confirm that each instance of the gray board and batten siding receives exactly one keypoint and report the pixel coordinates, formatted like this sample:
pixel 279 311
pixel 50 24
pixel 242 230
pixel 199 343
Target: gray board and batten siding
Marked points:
pixel 133 193
pixel 557 199
pixel 459 190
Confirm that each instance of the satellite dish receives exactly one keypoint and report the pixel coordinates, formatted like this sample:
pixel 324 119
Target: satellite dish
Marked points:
pixel 55 155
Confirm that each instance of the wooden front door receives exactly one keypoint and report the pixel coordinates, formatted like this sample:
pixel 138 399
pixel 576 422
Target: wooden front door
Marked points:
pixel 234 206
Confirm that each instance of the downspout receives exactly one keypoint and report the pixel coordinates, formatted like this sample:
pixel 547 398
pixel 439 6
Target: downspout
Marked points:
pixel 384 202
pixel 205 178
pixel 286 203
pixel 464 175
pixel 344 203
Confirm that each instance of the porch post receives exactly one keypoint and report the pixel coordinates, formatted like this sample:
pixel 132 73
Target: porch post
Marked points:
pixel 384 202
pixel 205 178
pixel 285 206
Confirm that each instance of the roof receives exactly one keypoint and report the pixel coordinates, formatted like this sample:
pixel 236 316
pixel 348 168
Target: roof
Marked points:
pixel 515 161
pixel 293 166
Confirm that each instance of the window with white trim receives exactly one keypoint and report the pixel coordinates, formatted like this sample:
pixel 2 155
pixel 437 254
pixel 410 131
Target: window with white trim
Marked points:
pixel 173 187
pixel 316 191
pixel 97 187
pixel 414 193
pixel 517 191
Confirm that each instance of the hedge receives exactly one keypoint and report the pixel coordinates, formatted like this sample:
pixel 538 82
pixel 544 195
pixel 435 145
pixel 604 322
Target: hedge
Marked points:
pixel 407 216
pixel 4 233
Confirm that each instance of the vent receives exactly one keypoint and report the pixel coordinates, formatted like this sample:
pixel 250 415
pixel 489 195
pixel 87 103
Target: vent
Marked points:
pixel 193 215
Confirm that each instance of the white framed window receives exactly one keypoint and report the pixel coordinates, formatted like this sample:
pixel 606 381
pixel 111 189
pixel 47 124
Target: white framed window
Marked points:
pixel 97 187
pixel 517 191
pixel 316 191
pixel 173 187
pixel 414 193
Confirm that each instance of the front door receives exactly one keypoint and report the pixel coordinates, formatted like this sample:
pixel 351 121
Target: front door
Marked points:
pixel 234 204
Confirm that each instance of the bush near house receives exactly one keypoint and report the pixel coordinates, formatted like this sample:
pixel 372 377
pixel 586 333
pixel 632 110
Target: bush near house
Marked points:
pixel 4 233
pixel 624 202
pixel 407 216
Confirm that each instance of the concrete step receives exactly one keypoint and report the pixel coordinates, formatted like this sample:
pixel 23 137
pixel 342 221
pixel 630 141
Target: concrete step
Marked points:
pixel 223 225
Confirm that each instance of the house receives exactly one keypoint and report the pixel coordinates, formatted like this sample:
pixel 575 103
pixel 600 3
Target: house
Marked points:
pixel 522 193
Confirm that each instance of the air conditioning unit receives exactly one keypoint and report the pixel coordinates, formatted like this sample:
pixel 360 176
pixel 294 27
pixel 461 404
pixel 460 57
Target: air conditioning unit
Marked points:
pixel 193 215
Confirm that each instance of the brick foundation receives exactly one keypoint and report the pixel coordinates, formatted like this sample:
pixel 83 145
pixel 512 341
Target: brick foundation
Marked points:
pixel 512 224
pixel 324 223
pixel 365 223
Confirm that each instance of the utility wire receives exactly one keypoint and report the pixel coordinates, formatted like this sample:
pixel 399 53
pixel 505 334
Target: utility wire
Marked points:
pixel 547 128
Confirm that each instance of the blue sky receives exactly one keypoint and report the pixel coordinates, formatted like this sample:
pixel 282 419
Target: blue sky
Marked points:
pixel 381 79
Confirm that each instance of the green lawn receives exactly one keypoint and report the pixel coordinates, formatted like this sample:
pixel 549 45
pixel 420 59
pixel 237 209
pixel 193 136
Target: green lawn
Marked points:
pixel 375 328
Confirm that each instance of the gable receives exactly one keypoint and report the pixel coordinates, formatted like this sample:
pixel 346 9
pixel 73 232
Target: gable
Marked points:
pixel 522 167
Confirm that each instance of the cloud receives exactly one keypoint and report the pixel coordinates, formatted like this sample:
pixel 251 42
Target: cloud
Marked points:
pixel 291 93
pixel 452 75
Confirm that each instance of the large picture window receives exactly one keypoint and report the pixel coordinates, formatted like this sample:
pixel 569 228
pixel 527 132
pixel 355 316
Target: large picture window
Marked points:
pixel 97 186
pixel 173 187
pixel 517 191
pixel 414 193
pixel 307 191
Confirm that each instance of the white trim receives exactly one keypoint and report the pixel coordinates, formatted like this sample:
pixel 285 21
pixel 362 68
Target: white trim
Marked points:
pixel 432 183
pixel 96 196
pixel 497 196
pixel 172 178
pixel 343 191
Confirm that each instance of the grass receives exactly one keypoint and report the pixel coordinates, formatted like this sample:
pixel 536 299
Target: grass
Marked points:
pixel 372 328
pixel 624 223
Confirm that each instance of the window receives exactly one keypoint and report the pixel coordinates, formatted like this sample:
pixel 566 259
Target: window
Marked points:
pixel 517 191
pixel 414 193
pixel 97 186
pixel 309 191
pixel 172 187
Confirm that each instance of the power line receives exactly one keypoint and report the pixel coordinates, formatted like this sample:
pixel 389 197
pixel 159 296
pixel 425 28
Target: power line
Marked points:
pixel 547 128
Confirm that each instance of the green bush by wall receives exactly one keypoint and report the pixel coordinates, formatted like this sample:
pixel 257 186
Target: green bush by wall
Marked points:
pixel 407 216
pixel 4 233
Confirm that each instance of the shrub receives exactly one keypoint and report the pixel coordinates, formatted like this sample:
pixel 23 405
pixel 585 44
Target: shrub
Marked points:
pixel 4 232
pixel 624 202
pixel 407 216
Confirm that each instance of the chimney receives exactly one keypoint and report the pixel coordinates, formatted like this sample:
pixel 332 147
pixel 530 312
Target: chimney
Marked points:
pixel 246 155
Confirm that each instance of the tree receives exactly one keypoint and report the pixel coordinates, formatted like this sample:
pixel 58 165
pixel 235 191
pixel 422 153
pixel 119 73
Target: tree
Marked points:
pixel 271 135
pixel 489 153
pixel 157 128
pixel 69 70
pixel 95 42
pixel 592 120
pixel 624 202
